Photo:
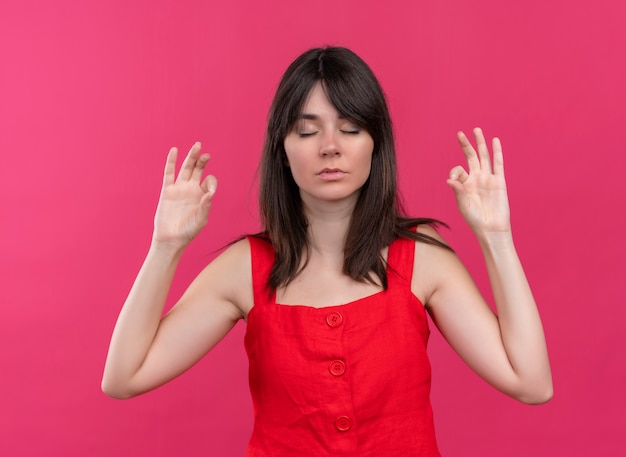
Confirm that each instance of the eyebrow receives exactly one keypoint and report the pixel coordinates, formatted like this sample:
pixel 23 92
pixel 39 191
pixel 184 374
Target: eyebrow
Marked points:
pixel 314 117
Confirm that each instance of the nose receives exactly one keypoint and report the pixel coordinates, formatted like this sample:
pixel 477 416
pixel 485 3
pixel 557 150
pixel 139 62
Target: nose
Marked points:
pixel 329 146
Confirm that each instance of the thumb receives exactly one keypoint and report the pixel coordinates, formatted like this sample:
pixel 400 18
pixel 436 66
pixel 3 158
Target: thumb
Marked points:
pixel 209 186
pixel 456 186
pixel 458 176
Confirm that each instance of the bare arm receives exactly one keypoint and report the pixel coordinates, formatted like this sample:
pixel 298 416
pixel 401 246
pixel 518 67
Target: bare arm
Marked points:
pixel 147 351
pixel 507 349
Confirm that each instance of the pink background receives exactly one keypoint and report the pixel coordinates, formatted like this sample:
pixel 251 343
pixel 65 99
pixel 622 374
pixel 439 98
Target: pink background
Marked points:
pixel 93 94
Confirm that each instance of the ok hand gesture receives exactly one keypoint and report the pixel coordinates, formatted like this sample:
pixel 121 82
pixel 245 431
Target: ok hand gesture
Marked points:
pixel 185 199
pixel 481 193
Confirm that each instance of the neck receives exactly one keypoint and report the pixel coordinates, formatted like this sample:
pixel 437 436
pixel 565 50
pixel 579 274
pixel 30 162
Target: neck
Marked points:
pixel 328 227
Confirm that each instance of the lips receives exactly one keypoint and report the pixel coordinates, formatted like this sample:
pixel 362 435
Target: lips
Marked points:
pixel 331 174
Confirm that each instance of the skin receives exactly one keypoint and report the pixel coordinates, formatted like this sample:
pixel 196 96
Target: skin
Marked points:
pixel 314 147
pixel 508 349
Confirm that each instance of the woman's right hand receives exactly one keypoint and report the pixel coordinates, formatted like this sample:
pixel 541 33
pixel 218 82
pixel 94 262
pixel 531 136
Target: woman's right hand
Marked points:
pixel 185 199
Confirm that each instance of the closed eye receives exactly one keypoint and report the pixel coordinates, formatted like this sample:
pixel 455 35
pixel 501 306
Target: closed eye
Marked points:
pixel 305 134
pixel 351 132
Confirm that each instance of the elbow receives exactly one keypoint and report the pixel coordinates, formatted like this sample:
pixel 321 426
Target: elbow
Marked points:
pixel 113 390
pixel 537 396
pixel 118 395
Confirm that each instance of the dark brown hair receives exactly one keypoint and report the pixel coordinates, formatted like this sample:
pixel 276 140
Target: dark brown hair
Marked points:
pixel 378 218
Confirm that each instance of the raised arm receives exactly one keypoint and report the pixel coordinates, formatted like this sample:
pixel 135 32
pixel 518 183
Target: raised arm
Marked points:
pixel 147 350
pixel 507 349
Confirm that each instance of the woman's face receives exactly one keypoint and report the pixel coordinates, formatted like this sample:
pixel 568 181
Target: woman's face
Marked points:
pixel 329 156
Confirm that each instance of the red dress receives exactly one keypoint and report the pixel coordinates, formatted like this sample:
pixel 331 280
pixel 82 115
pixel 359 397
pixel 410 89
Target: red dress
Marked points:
pixel 347 380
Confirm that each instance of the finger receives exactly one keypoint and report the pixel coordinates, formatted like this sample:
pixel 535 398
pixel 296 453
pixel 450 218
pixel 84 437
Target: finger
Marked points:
pixel 196 174
pixel 170 167
pixel 483 150
pixel 209 185
pixel 470 154
pixel 456 186
pixel 498 158
pixel 458 174
pixel 186 170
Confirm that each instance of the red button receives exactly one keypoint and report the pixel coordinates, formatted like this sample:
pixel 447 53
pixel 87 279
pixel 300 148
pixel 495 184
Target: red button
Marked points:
pixel 334 319
pixel 343 423
pixel 337 368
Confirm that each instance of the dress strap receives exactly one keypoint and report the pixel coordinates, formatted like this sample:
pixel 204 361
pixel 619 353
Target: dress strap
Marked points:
pixel 400 260
pixel 262 254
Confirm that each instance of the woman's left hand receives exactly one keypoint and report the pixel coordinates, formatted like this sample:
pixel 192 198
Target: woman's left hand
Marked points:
pixel 481 193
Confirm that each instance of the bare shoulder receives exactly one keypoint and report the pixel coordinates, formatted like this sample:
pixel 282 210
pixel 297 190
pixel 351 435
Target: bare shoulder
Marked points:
pixel 227 280
pixel 429 230
pixel 432 265
pixel 425 252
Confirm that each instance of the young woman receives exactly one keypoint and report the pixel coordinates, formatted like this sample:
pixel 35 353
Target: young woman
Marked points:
pixel 336 288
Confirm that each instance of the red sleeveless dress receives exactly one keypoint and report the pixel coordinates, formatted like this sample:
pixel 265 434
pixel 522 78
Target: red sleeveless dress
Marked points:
pixel 351 380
